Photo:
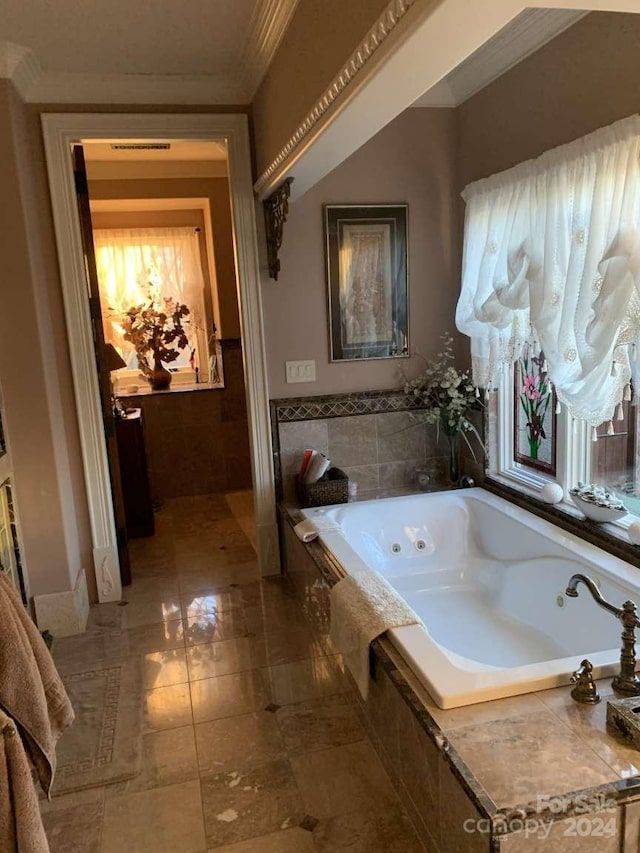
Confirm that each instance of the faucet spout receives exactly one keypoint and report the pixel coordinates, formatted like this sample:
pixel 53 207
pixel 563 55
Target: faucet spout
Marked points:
pixel 572 592
pixel 627 682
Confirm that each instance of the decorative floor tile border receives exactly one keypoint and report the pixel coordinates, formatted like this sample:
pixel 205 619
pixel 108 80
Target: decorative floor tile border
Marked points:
pixel 104 754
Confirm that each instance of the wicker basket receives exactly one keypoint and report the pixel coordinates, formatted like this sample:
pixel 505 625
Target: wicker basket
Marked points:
pixel 333 488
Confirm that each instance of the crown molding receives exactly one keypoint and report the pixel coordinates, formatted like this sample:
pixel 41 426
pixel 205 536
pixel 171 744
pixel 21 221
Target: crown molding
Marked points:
pixel 377 35
pixel 268 25
pixel 525 34
pixel 66 88
pixel 18 64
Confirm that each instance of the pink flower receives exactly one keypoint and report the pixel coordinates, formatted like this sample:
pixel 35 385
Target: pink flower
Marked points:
pixel 530 388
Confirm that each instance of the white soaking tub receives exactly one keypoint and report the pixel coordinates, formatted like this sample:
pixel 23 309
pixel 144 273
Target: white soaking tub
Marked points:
pixel 488 581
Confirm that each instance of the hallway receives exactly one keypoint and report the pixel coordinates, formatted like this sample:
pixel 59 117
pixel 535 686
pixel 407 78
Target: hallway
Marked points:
pixel 250 742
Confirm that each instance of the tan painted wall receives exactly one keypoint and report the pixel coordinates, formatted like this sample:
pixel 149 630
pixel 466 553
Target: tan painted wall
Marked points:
pixel 320 38
pixel 584 79
pixel 217 191
pixel 410 161
pixel 34 371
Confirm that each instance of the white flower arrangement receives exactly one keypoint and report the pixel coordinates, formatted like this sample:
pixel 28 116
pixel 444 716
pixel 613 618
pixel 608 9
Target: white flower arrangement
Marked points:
pixel 448 395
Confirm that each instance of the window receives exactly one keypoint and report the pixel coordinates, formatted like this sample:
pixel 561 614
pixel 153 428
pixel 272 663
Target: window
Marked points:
pixel 567 453
pixel 550 292
pixel 614 462
pixel 534 427
pixel 137 266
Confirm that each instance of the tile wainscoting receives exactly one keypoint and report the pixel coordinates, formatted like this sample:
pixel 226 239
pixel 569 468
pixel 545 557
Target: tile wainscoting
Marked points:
pixel 378 438
pixel 197 442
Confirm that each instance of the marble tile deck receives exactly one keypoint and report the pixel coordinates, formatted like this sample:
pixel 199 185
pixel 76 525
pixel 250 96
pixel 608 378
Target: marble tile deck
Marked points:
pixel 251 743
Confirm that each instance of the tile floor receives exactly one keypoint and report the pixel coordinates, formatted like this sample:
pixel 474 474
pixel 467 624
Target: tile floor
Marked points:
pixel 251 743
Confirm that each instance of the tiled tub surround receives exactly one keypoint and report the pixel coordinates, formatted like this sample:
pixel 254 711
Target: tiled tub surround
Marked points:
pixel 535 773
pixel 484 577
pixel 378 438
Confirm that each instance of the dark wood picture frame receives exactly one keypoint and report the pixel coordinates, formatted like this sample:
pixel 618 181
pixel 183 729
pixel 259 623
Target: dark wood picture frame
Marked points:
pixel 366 254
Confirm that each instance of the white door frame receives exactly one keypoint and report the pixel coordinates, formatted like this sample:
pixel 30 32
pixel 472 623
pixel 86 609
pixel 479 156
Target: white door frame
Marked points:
pixel 61 131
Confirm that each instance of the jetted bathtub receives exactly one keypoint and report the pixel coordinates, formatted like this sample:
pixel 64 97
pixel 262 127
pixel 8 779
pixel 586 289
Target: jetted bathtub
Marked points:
pixel 488 581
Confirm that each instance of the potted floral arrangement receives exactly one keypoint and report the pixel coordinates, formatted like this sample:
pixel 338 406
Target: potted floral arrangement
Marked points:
pixel 448 395
pixel 155 329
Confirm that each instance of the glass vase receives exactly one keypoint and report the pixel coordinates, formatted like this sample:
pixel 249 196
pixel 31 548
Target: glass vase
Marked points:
pixel 454 458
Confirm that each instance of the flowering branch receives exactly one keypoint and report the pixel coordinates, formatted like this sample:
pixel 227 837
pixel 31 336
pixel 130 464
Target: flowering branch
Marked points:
pixel 447 394
pixel 156 327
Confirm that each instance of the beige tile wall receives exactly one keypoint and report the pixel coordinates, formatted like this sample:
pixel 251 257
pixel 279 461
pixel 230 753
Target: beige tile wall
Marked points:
pixel 197 442
pixel 376 451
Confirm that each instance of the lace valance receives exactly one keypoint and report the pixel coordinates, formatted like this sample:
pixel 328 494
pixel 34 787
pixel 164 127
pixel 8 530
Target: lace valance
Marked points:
pixel 552 260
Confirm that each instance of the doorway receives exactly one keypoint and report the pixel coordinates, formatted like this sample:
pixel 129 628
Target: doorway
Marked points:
pixel 60 133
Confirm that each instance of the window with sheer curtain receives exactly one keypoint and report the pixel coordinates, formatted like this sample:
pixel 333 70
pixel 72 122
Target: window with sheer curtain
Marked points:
pixel 136 265
pixel 551 269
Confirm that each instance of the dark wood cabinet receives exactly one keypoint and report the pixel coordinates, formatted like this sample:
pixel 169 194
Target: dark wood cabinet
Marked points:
pixel 134 474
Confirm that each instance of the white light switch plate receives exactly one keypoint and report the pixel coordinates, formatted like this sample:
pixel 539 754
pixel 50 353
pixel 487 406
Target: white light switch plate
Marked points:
pixel 301 371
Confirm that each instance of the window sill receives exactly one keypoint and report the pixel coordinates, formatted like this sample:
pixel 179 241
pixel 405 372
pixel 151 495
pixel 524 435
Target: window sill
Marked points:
pixel 143 389
pixel 610 537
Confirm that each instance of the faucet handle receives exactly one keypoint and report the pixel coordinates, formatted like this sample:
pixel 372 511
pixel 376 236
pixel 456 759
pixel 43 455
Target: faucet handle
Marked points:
pixel 585 690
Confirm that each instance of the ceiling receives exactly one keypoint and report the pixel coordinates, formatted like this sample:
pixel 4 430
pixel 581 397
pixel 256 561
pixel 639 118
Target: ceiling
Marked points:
pixel 209 51
pixel 181 159
pixel 178 149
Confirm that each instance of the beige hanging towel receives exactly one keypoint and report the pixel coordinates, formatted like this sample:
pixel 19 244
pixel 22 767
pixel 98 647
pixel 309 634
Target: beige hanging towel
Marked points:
pixel 363 606
pixel 21 829
pixel 31 691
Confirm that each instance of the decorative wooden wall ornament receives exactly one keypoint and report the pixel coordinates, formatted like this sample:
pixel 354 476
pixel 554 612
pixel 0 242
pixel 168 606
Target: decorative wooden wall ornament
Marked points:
pixel 276 208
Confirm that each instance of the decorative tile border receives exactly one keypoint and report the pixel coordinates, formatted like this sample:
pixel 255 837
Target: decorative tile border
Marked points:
pixel 104 752
pixel 339 405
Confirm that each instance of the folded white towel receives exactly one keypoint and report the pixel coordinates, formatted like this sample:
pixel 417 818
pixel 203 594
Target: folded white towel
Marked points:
pixel 323 524
pixel 363 606
pixel 306 531
pixel 310 529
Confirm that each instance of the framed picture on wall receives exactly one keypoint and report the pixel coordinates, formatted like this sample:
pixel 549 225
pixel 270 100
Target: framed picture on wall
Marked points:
pixel 366 250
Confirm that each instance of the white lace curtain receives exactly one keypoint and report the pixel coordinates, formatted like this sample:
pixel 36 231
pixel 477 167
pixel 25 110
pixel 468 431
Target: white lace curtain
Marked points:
pixel 139 264
pixel 552 260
